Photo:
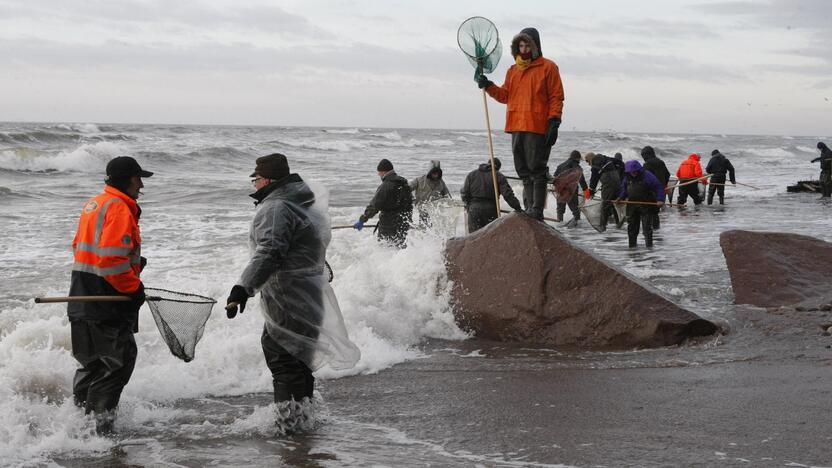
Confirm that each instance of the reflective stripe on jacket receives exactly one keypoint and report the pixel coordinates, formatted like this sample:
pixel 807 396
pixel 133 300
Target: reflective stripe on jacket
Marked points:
pixel 107 243
pixel 533 95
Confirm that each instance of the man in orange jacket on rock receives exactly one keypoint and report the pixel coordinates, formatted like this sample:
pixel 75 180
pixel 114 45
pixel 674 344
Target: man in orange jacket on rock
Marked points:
pixel 107 251
pixel 533 93
pixel 689 171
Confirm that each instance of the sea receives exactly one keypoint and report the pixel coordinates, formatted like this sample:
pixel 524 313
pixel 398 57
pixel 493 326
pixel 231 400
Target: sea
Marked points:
pixel 196 212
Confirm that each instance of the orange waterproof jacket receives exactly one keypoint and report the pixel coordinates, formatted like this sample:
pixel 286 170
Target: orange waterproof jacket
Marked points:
pixel 533 95
pixel 107 243
pixel 690 168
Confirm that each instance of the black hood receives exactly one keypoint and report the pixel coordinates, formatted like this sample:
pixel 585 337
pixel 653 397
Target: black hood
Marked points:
pixel 648 153
pixel 435 166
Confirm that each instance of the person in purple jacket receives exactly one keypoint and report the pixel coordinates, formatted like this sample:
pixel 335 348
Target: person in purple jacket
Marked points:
pixel 641 186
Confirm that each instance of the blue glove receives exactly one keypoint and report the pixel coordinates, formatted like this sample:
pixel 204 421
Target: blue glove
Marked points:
pixel 552 131
pixel 359 225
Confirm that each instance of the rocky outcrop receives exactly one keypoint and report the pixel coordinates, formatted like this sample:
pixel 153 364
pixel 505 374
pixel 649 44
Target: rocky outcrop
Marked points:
pixel 520 280
pixel 772 269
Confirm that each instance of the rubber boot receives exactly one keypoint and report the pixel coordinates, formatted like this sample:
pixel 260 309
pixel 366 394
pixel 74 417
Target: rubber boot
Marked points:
pixel 572 223
pixel 633 241
pixel 539 200
pixel 287 392
pixel 528 193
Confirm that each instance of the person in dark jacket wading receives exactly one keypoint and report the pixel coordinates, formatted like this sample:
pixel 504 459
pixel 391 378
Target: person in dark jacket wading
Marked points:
pixel 394 200
pixel 571 164
pixel 658 168
pixel 825 160
pixel 478 195
pixel 604 169
pixel 645 190
pixel 719 165
pixel 108 261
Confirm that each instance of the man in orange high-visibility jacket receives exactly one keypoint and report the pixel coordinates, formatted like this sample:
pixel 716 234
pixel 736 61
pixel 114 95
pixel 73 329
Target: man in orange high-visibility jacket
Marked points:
pixel 107 249
pixel 533 92
pixel 688 171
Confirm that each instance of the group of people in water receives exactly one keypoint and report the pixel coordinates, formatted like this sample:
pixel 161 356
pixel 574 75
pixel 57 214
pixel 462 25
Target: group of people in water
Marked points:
pixel 643 188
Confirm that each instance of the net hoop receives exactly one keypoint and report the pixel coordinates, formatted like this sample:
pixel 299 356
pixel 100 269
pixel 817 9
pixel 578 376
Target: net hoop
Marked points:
pixel 156 296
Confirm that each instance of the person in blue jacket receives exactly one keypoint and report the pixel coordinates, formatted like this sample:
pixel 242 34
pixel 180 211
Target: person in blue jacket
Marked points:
pixel 646 194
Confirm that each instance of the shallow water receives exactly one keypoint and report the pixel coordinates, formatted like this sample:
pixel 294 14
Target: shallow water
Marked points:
pixel 395 303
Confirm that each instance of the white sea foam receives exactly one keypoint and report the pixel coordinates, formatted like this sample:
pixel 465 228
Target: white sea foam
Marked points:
pixel 90 157
pixel 342 131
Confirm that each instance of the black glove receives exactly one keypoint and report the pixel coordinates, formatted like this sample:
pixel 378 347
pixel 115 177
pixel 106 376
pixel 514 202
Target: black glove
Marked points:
pixel 138 297
pixel 238 296
pixel 143 264
pixel 484 82
pixel 552 131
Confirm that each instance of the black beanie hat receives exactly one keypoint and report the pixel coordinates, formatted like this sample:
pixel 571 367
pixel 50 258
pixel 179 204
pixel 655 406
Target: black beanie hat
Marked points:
pixel 714 152
pixel 648 151
pixel 384 166
pixel 274 166
pixel 575 154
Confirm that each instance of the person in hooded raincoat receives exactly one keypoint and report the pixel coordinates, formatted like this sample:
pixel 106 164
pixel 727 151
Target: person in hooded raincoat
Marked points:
pixel 478 195
pixel 658 168
pixel 640 186
pixel 688 171
pixel 108 262
pixel 533 92
pixel 289 235
pixel 394 200
pixel 573 163
pixel 825 160
pixel 604 169
pixel 427 189
pixel 719 165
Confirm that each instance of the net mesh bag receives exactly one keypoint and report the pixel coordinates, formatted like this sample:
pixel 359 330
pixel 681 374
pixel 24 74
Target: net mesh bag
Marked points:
pixel 566 184
pixel 181 319
pixel 479 40
pixel 591 210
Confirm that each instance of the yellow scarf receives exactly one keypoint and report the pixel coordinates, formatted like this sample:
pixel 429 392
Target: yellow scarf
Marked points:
pixel 522 64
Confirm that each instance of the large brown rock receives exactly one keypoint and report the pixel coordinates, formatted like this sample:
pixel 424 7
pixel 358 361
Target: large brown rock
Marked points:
pixel 519 280
pixel 772 269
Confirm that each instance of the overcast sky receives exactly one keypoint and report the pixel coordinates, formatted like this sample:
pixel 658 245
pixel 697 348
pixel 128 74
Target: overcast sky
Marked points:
pixel 760 67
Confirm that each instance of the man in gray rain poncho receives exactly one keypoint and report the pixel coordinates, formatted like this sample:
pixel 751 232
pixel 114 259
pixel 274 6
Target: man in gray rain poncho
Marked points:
pixel 289 235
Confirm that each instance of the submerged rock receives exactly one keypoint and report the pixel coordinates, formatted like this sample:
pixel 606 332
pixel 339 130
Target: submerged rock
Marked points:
pixel 520 280
pixel 773 269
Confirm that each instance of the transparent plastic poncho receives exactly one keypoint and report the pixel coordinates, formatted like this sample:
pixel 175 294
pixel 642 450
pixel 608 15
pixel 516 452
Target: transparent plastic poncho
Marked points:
pixel 288 239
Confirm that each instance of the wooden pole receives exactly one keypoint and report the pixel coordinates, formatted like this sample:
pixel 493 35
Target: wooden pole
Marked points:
pixel 48 300
pixel 738 183
pixel 351 227
pixel 491 153
pixel 698 179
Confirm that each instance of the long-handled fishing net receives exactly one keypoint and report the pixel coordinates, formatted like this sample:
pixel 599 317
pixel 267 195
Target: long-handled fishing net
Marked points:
pixel 181 319
pixel 479 40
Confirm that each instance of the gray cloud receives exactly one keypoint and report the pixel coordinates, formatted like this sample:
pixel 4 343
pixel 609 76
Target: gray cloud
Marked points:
pixel 189 14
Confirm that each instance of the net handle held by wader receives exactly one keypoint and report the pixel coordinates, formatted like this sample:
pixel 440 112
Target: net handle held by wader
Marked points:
pixel 491 153
pixel 49 300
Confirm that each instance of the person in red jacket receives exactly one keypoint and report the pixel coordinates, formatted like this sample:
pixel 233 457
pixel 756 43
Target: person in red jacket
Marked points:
pixel 108 261
pixel 533 93
pixel 689 171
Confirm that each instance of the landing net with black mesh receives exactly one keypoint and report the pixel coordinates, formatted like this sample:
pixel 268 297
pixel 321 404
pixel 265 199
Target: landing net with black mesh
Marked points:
pixel 181 319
